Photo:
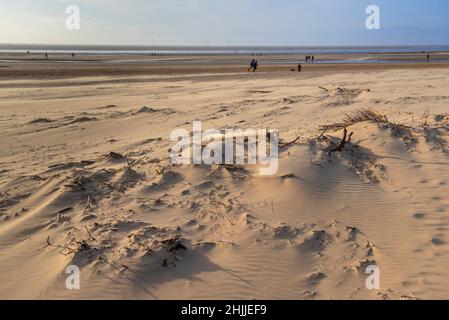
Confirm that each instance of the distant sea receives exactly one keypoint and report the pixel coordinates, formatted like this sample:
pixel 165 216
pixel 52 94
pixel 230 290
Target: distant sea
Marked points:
pixel 211 50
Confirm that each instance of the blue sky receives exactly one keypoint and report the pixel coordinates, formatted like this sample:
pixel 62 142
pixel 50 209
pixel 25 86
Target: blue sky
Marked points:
pixel 225 22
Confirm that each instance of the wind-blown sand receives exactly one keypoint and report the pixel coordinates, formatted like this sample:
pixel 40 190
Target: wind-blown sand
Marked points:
pixel 86 180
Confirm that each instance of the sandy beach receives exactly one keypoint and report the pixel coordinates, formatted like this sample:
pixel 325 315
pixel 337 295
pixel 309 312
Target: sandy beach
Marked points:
pixel 14 66
pixel 86 179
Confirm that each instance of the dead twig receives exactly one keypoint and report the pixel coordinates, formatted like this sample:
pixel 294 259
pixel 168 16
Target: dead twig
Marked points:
pixel 59 217
pixel 130 163
pixel 87 204
pixel 161 171
pixel 49 244
pixel 290 143
pixel 90 235
pixel 322 133
pixel 343 141
pixel 349 138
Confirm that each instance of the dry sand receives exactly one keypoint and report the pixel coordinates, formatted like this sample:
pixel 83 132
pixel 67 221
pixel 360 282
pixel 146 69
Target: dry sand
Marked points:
pixel 86 179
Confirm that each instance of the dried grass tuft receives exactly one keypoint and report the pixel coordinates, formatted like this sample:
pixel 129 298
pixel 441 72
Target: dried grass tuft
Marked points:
pixel 357 117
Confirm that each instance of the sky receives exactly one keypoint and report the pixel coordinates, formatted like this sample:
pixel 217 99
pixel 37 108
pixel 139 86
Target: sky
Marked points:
pixel 225 22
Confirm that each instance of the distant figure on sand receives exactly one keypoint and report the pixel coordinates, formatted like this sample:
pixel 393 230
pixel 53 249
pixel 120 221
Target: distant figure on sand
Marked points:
pixel 256 64
pixel 428 57
pixel 46 56
pixel 251 65
pixel 308 58
pixel 299 67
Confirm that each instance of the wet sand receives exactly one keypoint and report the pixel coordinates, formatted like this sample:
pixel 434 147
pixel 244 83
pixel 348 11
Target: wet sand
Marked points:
pixel 34 66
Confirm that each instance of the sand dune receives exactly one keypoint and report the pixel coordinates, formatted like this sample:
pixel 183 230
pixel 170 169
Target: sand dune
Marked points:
pixel 86 179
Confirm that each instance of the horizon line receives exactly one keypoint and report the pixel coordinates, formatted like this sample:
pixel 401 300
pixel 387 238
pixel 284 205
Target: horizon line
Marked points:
pixel 237 46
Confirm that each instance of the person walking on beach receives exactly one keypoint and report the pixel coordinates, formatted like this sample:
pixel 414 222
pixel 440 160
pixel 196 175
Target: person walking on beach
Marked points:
pixel 256 64
pixel 428 57
pixel 313 59
pixel 299 67
pixel 251 65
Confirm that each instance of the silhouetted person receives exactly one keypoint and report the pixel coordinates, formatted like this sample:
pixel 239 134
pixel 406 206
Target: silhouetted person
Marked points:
pixel 256 65
pixel 313 59
pixel 299 67
pixel 46 56
pixel 428 57
pixel 251 65
pixel 307 59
